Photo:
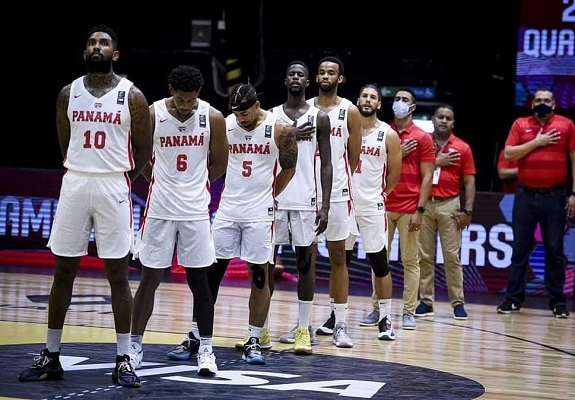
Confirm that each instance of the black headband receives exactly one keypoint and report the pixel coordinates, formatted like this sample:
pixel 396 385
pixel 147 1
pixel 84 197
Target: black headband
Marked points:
pixel 242 98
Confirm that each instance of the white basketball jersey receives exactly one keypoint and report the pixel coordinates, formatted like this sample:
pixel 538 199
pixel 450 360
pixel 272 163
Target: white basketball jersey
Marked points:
pixel 248 193
pixel 99 130
pixel 300 193
pixel 180 187
pixel 369 176
pixel 339 136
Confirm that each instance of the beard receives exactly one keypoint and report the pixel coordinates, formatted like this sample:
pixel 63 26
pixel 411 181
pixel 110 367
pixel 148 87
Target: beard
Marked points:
pixel 327 89
pixel 99 64
pixel 367 113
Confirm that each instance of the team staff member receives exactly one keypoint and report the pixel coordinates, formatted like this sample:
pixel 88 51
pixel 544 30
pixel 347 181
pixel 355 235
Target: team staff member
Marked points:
pixel 453 164
pixel 543 145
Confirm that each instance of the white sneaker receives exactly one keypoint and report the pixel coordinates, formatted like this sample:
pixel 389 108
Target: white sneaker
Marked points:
pixel 385 330
pixel 207 363
pixel 136 354
pixel 340 336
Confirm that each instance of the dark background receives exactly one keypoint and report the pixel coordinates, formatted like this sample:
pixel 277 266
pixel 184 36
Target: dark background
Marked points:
pixel 466 50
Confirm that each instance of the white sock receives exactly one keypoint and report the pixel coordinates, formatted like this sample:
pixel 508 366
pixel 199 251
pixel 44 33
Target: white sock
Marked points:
pixel 137 338
pixel 304 317
pixel 340 311
pixel 384 308
pixel 54 340
pixel 123 340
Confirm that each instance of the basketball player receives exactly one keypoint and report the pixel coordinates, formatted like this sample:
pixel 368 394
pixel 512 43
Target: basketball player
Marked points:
pixel 345 139
pixel 377 173
pixel 190 151
pixel 103 124
pixel 296 214
pixel 258 141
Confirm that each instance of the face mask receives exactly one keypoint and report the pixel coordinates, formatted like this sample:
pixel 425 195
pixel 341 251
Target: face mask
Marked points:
pixel 400 109
pixel 542 110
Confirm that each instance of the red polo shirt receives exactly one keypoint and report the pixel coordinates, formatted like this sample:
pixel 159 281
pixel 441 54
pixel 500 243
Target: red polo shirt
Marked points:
pixel 450 177
pixel 546 166
pixel 405 195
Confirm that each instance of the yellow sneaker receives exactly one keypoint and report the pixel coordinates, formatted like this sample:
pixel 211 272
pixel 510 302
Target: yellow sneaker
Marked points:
pixel 265 341
pixel 302 344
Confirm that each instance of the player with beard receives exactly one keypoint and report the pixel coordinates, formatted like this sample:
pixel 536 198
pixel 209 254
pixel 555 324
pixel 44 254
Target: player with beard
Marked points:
pixel 377 173
pixel 260 143
pixel 345 138
pixel 297 215
pixel 103 124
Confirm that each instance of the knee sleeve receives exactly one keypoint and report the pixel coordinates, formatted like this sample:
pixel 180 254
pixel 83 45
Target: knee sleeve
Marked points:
pixel 348 257
pixel 379 263
pixel 303 259
pixel 258 276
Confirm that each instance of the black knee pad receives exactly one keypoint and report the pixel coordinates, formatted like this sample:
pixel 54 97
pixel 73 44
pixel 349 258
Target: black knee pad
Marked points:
pixel 348 257
pixel 303 260
pixel 379 263
pixel 258 276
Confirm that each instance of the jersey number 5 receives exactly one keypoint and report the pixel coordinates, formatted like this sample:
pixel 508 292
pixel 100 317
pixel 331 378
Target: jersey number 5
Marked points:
pixel 247 168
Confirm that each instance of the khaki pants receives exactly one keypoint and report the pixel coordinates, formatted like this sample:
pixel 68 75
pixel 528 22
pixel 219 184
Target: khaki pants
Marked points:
pixel 408 247
pixel 437 219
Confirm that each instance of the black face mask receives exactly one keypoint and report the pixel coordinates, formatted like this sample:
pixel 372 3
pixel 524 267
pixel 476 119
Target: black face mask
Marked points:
pixel 542 110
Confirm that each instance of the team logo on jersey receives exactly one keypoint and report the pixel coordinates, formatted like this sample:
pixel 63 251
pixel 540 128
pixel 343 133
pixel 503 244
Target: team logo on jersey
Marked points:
pixel 248 137
pixel 182 128
pixel 121 97
pixel 380 136
pixel 380 206
pixel 310 119
pixel 202 120
pixel 97 105
pixel 341 114
pixel 268 131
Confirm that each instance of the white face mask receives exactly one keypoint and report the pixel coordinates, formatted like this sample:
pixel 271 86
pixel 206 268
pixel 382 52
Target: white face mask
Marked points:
pixel 400 109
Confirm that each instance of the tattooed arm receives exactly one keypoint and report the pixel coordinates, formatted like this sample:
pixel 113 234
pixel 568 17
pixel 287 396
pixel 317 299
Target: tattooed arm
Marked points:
pixel 141 131
pixel 287 144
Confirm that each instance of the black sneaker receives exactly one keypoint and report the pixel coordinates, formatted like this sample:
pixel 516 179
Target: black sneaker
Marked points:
pixel 327 327
pixel 187 349
pixel 253 352
pixel 560 311
pixel 124 373
pixel 508 307
pixel 46 367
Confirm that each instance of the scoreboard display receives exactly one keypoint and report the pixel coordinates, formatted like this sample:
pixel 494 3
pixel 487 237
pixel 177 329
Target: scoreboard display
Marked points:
pixel 546 51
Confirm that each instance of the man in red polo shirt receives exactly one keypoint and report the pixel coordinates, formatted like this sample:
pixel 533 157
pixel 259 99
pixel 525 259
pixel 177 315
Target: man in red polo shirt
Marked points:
pixel 453 164
pixel 406 203
pixel 543 145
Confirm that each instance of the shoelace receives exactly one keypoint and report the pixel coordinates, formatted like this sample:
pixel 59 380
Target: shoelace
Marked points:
pixel 41 361
pixel 125 366
pixel 302 337
pixel 253 349
pixel 206 356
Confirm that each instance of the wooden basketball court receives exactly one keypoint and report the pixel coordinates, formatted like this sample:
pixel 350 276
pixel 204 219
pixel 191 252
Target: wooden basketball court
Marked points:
pixel 530 355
